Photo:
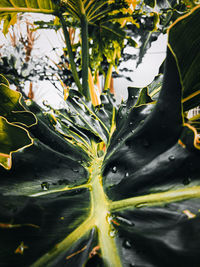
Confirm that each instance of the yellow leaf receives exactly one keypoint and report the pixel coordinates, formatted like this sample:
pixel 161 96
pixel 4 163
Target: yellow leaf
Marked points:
pixel 94 93
pixel 9 20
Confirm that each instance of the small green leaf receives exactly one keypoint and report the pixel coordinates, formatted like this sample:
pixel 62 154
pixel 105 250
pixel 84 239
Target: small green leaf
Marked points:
pixel 9 20
pixel 144 97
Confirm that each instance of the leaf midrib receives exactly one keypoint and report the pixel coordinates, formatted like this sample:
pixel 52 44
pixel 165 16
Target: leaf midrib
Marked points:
pixel 101 209
pixel 25 9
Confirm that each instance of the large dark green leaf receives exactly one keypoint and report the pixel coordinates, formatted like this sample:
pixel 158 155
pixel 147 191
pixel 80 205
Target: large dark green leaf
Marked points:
pixel 108 186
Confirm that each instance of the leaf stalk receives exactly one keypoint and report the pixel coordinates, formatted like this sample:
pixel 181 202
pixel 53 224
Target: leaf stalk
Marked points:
pixel 70 52
pixel 85 57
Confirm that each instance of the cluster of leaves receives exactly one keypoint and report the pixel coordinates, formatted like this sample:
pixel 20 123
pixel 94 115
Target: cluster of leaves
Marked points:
pixel 109 36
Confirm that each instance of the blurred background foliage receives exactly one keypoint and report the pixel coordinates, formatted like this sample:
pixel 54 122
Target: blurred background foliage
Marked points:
pixel 137 25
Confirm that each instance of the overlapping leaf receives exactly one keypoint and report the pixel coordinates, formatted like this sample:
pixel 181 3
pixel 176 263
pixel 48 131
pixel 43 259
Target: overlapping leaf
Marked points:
pixel 130 205
pixel 12 113
pixel 9 9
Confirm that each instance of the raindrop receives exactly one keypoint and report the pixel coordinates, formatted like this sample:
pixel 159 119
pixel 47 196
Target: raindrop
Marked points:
pixel 126 174
pixel 109 218
pixel 134 97
pixel 186 181
pixel 126 244
pixel 132 131
pixel 131 123
pixel 112 233
pixel 122 220
pixel 45 186
pixel 171 158
pixel 28 102
pixel 141 205
pixel 114 169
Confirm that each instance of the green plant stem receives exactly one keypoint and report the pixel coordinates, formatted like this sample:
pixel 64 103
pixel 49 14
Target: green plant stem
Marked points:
pixel 108 77
pixel 85 57
pixel 70 52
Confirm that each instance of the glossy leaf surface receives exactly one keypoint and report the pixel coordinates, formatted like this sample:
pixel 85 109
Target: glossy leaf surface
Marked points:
pixel 110 185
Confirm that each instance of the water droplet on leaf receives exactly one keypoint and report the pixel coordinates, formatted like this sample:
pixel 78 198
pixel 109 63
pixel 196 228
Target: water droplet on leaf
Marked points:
pixel 126 174
pixel 122 220
pixel 114 169
pixel 112 233
pixel 109 218
pixel 141 205
pixel 45 186
pixel 126 244
pixel 171 158
pixel 186 181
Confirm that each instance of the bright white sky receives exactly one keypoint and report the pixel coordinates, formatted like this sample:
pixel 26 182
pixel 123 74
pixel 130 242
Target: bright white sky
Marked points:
pixel 146 71
pixel 141 76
